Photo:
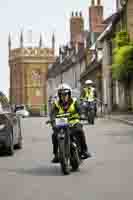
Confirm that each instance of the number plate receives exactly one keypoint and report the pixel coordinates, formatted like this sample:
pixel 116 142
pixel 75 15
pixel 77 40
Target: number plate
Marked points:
pixel 61 121
pixel 84 104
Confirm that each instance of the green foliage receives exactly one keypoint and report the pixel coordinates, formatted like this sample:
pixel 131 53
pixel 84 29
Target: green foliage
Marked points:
pixel 121 39
pixel 122 68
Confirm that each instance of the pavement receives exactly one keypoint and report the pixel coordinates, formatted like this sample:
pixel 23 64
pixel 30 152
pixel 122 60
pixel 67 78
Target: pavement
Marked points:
pixel 126 118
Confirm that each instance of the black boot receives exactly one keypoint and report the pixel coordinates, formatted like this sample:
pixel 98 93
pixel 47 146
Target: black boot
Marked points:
pixel 85 155
pixel 55 148
pixel 55 159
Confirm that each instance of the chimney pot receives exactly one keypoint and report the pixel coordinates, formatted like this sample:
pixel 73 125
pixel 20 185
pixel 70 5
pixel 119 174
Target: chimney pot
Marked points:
pixel 92 2
pixel 98 2
pixel 76 14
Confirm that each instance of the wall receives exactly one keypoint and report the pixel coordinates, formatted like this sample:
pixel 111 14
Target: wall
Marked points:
pixel 130 18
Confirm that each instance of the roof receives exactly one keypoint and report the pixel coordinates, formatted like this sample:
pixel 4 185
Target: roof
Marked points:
pixel 94 65
pixel 111 21
pixel 68 62
pixel 108 30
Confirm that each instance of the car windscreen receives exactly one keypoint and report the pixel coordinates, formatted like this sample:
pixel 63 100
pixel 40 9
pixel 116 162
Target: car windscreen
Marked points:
pixel 19 108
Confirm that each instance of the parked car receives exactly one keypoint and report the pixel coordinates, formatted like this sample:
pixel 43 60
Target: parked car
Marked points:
pixel 10 129
pixel 21 111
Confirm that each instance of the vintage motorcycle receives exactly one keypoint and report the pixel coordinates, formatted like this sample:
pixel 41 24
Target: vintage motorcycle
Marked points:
pixel 69 147
pixel 87 111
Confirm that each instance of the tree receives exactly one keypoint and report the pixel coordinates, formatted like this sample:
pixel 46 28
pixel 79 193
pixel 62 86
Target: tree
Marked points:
pixel 122 68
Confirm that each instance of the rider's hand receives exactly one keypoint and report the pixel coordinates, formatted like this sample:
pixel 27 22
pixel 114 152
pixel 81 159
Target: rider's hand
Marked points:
pixel 48 122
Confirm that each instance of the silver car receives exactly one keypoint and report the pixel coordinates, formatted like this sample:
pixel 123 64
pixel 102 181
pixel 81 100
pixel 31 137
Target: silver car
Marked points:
pixel 21 111
pixel 10 129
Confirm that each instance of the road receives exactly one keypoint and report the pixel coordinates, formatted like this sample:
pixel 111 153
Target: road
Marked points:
pixel 108 175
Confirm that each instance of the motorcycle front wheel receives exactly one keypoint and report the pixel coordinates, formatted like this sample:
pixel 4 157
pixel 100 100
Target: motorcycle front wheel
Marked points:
pixel 74 160
pixel 64 158
pixel 91 117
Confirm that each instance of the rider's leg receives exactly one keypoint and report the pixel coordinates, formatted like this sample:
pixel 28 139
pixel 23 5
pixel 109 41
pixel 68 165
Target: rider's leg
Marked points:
pixel 78 130
pixel 55 147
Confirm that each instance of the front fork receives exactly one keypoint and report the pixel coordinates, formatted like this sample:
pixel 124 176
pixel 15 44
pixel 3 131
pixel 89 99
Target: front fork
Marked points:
pixel 64 143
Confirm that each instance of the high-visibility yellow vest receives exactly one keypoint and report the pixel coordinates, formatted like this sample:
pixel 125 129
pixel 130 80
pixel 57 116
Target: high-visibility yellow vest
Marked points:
pixel 89 94
pixel 70 110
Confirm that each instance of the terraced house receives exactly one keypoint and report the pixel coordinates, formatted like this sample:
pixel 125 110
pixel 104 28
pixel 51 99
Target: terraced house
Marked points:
pixel 72 60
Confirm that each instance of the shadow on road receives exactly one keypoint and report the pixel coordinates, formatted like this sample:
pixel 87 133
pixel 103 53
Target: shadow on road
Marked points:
pixel 48 170
pixel 3 153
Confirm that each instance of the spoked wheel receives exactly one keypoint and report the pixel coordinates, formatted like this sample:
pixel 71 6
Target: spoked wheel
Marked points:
pixel 64 158
pixel 65 166
pixel 91 117
pixel 74 160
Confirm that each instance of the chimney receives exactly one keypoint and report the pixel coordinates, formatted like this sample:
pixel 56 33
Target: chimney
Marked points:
pixel 76 27
pixel 96 17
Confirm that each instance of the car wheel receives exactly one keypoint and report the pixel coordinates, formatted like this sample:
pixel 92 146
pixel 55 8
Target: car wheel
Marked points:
pixel 19 145
pixel 10 148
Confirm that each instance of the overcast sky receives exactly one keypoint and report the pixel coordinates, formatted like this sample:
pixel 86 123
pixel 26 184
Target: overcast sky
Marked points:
pixel 43 16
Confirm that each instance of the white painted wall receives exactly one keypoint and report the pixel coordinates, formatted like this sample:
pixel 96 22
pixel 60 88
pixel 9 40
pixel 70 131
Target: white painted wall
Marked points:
pixel 71 77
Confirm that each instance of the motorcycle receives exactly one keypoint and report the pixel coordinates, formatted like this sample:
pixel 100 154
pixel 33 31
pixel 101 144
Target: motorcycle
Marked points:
pixel 69 147
pixel 87 111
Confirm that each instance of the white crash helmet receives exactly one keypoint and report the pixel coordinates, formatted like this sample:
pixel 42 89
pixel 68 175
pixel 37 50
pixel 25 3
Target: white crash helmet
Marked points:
pixel 64 88
pixel 87 82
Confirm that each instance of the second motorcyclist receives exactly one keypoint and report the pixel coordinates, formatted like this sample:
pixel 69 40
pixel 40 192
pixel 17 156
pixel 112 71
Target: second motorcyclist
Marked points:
pixel 89 93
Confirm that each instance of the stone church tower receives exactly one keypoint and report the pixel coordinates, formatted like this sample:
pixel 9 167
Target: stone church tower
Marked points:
pixel 28 73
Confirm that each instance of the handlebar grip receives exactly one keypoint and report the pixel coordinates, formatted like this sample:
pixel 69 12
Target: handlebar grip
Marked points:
pixel 48 122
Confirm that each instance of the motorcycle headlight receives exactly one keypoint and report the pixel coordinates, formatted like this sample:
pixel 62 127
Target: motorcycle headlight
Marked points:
pixel 84 103
pixel 2 126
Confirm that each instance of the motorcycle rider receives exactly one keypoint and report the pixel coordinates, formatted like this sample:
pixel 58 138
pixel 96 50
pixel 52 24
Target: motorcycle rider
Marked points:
pixel 89 93
pixel 66 103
